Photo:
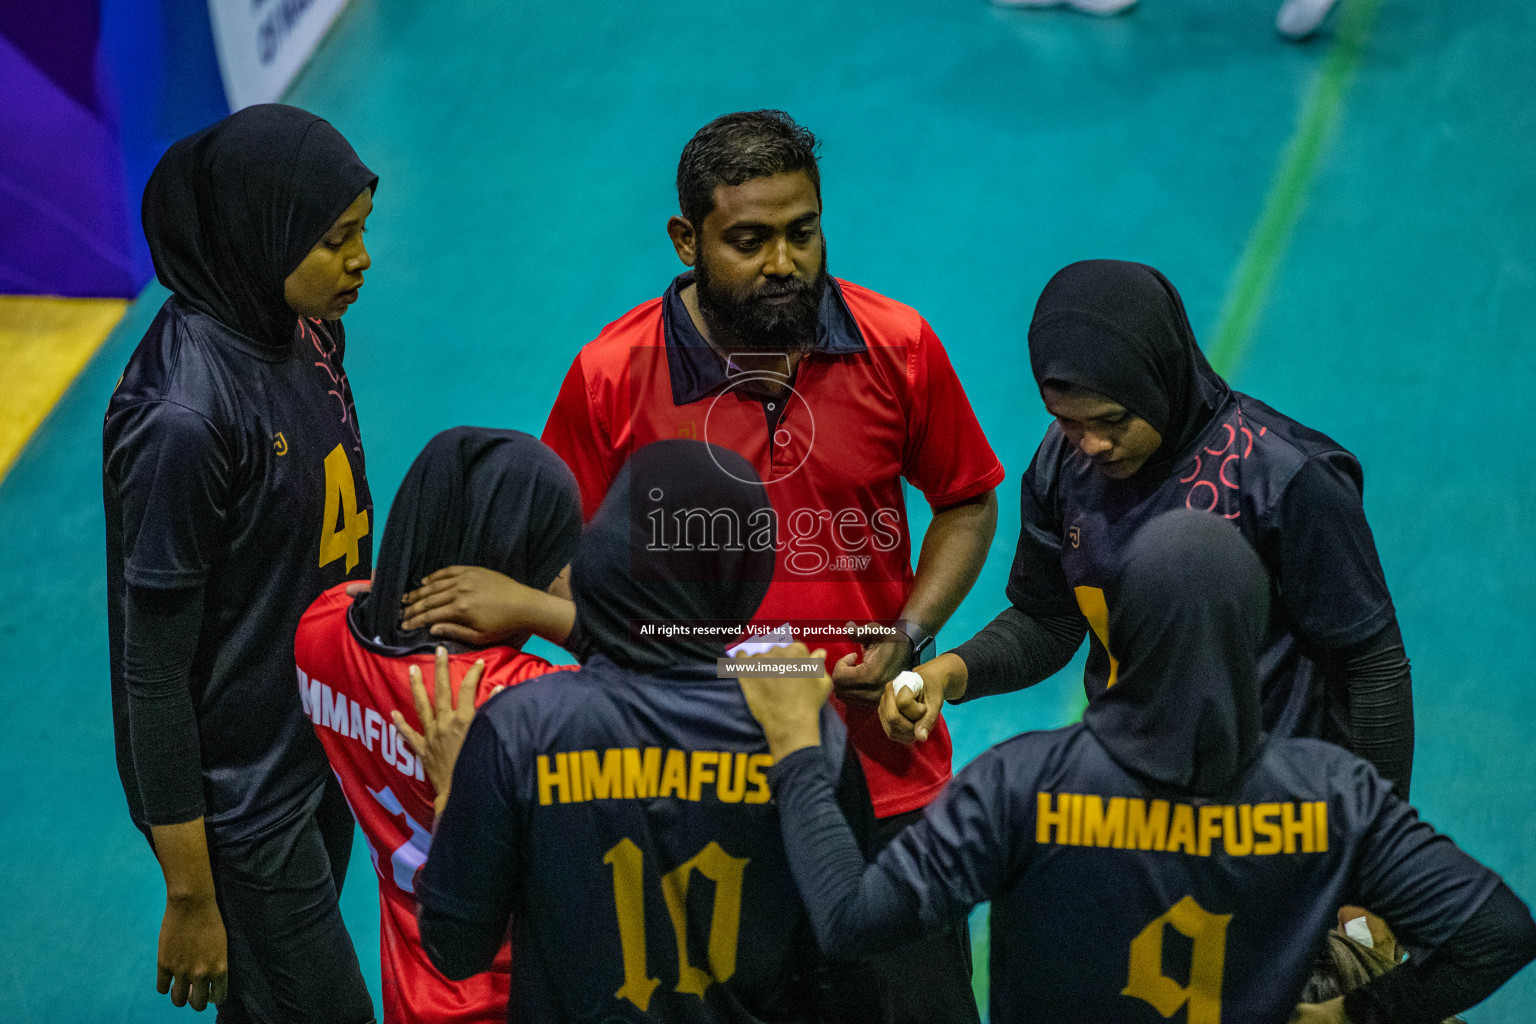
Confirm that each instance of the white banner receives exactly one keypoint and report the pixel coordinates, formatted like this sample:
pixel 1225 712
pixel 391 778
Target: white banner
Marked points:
pixel 262 44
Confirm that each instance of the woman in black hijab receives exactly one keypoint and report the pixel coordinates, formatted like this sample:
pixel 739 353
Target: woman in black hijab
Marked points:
pixel 643 764
pixel 498 499
pixel 642 560
pixel 1167 809
pixel 235 494
pixel 1144 425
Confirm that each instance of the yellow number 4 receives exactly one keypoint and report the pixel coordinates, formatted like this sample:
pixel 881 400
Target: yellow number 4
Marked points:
pixel 338 540
pixel 1207 960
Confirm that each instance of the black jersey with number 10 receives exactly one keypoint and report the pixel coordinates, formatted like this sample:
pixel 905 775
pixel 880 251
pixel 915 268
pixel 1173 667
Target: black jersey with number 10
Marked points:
pixel 624 823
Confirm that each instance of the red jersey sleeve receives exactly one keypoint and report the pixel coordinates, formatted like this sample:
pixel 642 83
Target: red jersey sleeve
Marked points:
pixel 577 434
pixel 947 456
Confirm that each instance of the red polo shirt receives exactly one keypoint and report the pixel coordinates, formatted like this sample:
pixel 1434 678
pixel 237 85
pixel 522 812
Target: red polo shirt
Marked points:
pixel 874 402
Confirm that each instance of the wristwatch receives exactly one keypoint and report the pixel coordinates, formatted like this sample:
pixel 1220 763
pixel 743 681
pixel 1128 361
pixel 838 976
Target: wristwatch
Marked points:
pixel 921 639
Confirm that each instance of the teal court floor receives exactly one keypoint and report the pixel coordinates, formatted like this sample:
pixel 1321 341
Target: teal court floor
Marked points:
pixel 1351 222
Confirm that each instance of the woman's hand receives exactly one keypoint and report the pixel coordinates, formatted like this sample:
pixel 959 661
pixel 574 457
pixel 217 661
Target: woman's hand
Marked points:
pixel 787 707
pixel 908 719
pixel 192 959
pixel 479 606
pixel 443 725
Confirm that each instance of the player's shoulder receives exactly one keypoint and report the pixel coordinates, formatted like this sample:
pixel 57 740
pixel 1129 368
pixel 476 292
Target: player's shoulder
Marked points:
pixel 178 363
pixel 323 640
pixel 1036 754
pixel 328 612
pixel 1281 439
pixel 641 326
pixel 547 697
pixel 1306 768
pixel 880 314
pixel 1288 454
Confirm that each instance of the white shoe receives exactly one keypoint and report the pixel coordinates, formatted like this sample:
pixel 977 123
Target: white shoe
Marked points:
pixel 1299 18
pixel 1102 8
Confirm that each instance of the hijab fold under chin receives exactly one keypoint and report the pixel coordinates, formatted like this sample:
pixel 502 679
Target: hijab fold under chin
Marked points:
pixel 231 211
pixel 1119 329
pixel 1186 620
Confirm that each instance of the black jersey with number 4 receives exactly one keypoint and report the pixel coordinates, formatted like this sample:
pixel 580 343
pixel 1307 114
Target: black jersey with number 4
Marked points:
pixel 624 824
pixel 1293 492
pixel 237 467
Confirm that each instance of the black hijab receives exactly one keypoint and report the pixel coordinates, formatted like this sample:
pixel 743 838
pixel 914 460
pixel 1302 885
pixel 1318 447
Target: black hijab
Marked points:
pixel 499 499
pixel 1186 621
pixel 231 211
pixel 1120 329
pixel 626 571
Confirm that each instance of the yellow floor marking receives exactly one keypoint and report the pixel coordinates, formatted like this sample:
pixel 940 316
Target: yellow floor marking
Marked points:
pixel 44 344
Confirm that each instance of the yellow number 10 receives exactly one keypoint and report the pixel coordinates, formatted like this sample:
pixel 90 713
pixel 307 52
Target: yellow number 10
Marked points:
pixel 341 503
pixel 714 864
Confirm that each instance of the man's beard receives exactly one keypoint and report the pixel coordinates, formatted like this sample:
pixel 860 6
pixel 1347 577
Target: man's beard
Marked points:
pixel 743 320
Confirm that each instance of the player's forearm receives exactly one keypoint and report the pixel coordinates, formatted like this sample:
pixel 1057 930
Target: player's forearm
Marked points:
pixel 854 908
pixel 954 549
pixel 183 854
pixel 1486 951
pixel 161 631
pixel 1015 650
pixel 552 618
pixel 1380 691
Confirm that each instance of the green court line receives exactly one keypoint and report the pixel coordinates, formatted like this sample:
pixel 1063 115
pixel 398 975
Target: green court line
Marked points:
pixel 1271 235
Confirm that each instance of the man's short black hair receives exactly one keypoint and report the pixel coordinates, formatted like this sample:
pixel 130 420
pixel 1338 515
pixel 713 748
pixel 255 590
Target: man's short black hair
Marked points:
pixel 735 148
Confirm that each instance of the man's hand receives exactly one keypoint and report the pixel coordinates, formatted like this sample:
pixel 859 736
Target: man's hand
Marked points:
pixel 864 679
pixel 193 957
pixel 443 725
pixel 908 719
pixel 479 606
pixel 788 708
pixel 1331 1012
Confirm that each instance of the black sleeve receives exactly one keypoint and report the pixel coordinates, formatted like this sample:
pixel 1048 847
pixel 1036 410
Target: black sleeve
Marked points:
pixel 161 629
pixel 1323 556
pixel 852 910
pixel 1037 584
pixel 1381 705
pixel 1038 635
pixel 954 858
pixel 1017 650
pixel 853 800
pixel 1414 878
pixel 173 474
pixel 1485 952
pixel 465 890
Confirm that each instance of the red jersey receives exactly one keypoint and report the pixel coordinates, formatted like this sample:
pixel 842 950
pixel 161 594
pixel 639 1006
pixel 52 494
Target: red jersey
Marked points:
pixel 874 401
pixel 348 692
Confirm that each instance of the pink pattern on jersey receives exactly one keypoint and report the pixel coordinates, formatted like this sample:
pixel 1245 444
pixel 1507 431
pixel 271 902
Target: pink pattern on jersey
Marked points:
pixel 1218 476
pixel 325 346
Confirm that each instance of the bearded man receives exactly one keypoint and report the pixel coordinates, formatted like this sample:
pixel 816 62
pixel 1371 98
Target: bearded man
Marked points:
pixel 834 394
